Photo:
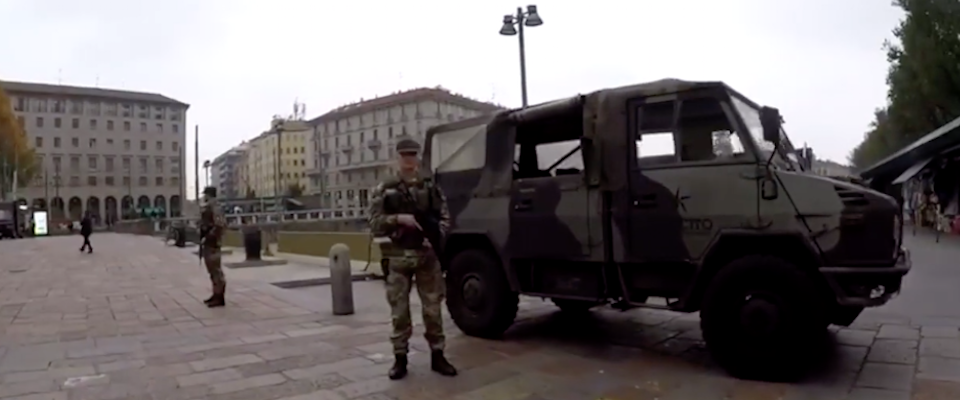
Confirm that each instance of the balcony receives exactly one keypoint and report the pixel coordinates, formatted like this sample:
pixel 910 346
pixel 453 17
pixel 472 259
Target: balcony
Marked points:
pixel 347 148
pixel 374 144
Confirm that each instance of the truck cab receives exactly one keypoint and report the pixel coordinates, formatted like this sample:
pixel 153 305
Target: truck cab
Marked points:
pixel 685 191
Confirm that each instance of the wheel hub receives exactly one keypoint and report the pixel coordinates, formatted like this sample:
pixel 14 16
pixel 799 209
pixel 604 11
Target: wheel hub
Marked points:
pixel 472 289
pixel 759 316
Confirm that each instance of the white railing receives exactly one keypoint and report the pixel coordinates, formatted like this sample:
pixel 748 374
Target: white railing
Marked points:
pixel 296 216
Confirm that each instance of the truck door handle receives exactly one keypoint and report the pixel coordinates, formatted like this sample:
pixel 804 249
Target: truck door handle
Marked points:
pixel 523 205
pixel 644 204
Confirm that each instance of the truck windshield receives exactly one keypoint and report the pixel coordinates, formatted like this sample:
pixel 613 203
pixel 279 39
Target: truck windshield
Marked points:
pixel 751 118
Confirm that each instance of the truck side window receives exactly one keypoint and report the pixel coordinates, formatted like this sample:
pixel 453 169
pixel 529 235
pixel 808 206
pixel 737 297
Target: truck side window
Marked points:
pixel 655 140
pixel 549 146
pixel 705 133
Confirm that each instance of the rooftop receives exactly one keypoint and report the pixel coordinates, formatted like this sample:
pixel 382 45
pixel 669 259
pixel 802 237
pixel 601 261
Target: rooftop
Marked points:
pixel 420 94
pixel 89 92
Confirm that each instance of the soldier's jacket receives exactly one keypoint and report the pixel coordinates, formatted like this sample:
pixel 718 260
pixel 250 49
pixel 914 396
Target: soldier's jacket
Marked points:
pixel 395 196
pixel 212 225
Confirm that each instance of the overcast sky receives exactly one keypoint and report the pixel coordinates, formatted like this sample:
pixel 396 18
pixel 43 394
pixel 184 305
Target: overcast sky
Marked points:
pixel 239 62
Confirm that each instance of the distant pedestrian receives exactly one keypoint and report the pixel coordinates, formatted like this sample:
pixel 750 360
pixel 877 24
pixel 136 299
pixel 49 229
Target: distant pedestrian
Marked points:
pixel 86 229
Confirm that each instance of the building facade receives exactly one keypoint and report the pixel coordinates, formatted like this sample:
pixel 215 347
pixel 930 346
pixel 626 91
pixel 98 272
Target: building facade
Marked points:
pixel 260 175
pixel 354 143
pixel 105 151
pixel 225 172
pixel 830 168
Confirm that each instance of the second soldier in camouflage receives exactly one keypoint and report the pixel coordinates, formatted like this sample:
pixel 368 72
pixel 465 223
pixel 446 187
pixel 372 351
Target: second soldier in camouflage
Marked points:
pixel 409 256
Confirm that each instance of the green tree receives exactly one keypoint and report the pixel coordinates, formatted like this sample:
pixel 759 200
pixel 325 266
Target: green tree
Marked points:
pixel 16 155
pixel 923 80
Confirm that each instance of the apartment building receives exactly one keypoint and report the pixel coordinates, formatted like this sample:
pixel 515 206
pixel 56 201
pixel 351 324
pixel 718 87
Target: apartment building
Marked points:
pixel 225 172
pixel 291 144
pixel 354 143
pixel 101 150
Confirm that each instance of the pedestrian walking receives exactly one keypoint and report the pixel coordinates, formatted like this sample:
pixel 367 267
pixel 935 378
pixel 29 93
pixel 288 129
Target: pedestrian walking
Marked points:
pixel 212 226
pixel 410 257
pixel 86 229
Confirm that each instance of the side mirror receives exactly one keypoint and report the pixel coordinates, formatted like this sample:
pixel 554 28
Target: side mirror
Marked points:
pixel 770 120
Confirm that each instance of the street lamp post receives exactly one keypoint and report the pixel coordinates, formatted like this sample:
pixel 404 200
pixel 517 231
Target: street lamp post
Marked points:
pixel 513 25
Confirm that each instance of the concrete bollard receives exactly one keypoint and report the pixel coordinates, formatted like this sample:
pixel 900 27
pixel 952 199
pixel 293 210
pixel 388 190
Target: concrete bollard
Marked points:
pixel 341 281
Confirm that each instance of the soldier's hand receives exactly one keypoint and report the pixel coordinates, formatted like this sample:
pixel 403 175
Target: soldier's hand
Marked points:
pixel 408 220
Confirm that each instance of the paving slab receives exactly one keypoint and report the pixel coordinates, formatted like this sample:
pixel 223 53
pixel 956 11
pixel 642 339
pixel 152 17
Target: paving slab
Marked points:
pixel 127 322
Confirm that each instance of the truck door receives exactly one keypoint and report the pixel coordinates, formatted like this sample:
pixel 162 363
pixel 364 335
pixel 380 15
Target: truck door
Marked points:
pixel 548 203
pixel 690 178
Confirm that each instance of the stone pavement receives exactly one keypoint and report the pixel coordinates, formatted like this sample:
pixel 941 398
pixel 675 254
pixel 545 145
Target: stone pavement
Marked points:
pixel 127 322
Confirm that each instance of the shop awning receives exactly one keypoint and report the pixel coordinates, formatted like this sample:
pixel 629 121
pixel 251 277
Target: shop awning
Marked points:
pixel 912 171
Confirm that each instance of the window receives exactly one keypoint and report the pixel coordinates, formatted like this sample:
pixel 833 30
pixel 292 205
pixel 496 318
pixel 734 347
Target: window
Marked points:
pixel 56 164
pixel 74 163
pixel 175 128
pixel 143 165
pixel 158 165
pixel 91 181
pixel 92 162
pixel 126 144
pixel 459 150
pixel 126 126
pixel 92 143
pixel 702 132
pixel 159 145
pixel 175 146
pixel 143 145
pixel 21 104
pixel 75 181
pixel 93 124
pixel 75 142
pixel 109 142
pixel 109 162
pixel 75 123
pixel 109 181
pixel 38 142
pixel 142 181
pixel 159 128
pixel 109 125
pixel 126 181
pixel 56 122
pixel 126 164
pixel 175 181
pixel 39 122
pixel 549 146
pixel 143 127
pixel 158 181
pixel 56 142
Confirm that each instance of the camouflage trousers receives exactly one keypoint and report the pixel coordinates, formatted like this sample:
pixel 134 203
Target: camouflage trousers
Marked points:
pixel 211 259
pixel 423 270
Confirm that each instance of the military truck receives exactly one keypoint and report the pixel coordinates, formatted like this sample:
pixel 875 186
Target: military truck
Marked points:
pixel 677 190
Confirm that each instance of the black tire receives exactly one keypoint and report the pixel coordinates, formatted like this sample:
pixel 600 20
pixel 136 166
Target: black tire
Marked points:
pixel 492 305
pixel 755 285
pixel 574 306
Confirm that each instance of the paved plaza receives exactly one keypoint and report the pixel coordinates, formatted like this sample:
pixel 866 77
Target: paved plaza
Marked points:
pixel 127 322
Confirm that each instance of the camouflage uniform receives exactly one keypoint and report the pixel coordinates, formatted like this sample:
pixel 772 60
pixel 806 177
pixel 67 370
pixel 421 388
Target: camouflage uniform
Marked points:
pixel 212 227
pixel 410 261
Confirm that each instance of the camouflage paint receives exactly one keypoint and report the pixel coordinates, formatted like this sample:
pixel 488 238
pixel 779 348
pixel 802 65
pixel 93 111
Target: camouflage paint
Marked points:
pixel 652 209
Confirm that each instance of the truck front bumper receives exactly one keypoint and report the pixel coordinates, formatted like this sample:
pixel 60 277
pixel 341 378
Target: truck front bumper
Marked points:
pixel 867 286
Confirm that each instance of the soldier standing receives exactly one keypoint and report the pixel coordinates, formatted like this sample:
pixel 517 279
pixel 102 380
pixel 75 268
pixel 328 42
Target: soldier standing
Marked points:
pixel 212 226
pixel 409 256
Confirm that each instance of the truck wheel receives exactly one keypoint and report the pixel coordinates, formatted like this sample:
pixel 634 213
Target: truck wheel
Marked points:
pixel 479 297
pixel 761 318
pixel 574 306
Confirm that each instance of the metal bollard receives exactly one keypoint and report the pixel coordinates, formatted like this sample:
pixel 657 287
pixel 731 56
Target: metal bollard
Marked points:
pixel 341 283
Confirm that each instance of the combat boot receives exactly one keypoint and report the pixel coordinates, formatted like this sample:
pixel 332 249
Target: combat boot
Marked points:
pixel 217 301
pixel 212 297
pixel 399 368
pixel 440 365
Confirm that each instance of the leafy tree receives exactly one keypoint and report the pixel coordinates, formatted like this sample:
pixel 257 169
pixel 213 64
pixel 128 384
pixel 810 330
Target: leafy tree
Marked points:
pixel 15 152
pixel 251 194
pixel 923 80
